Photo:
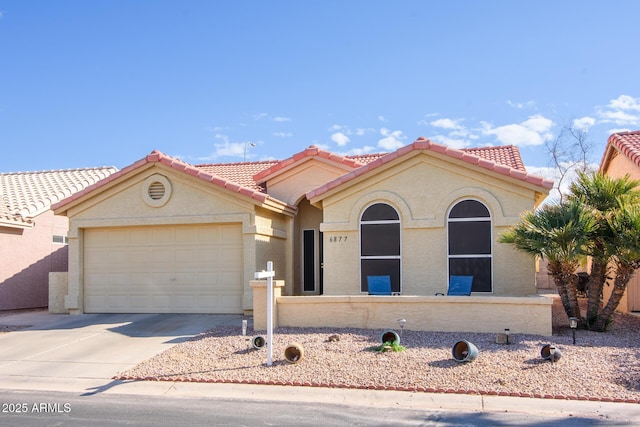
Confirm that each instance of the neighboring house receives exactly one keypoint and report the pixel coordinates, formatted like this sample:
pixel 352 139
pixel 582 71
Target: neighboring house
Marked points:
pixel 622 157
pixel 162 235
pixel 32 238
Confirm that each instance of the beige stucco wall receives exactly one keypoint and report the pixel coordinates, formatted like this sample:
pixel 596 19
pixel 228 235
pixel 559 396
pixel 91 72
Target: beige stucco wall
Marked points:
pixel 26 258
pixel 290 185
pixel 522 315
pixel 192 201
pixel 422 189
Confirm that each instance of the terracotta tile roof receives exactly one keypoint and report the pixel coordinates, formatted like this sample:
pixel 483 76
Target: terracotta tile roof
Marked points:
pixel 627 143
pixel 479 157
pixel 244 172
pixel 310 152
pixel 366 158
pixel 241 172
pixel 505 155
pixel 24 195
pixel 177 164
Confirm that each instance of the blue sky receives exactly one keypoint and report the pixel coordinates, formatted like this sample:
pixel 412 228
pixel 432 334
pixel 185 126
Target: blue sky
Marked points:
pixel 92 83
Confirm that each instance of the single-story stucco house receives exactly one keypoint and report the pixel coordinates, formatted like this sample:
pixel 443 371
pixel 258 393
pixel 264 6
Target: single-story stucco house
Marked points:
pixel 32 239
pixel 622 157
pixel 162 235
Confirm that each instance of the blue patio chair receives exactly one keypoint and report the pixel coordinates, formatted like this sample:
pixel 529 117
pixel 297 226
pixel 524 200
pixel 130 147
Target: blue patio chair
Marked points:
pixel 459 286
pixel 379 285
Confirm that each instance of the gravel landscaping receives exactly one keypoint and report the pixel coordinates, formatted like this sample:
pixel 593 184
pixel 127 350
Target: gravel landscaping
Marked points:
pixel 601 366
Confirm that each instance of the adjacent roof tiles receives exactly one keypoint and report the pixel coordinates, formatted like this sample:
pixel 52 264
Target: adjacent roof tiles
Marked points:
pixel 24 195
pixel 627 143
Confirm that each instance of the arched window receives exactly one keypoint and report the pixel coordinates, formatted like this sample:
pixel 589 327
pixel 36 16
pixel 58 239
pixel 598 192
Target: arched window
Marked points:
pixel 380 245
pixel 470 248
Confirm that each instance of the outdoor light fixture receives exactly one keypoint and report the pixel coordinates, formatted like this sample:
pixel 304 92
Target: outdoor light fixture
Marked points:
pixel 573 324
pixel 401 322
pixel 506 334
pixel 248 143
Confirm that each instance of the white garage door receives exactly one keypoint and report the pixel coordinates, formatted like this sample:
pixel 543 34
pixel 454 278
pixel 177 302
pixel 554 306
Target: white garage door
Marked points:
pixel 163 269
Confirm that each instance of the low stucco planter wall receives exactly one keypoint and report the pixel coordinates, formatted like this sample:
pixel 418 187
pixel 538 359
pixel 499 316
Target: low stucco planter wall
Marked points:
pixel 58 288
pixel 524 315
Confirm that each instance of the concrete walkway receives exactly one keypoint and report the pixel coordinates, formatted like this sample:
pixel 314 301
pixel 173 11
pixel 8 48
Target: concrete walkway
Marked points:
pixel 80 355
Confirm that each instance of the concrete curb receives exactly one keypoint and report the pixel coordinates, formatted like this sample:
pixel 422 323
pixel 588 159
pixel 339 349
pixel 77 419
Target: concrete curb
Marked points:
pixel 383 388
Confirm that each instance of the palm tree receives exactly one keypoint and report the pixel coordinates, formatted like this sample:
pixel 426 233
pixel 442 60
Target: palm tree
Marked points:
pixel 624 226
pixel 560 233
pixel 609 200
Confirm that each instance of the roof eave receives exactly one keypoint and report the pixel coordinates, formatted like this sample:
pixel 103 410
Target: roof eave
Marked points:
pixel 16 224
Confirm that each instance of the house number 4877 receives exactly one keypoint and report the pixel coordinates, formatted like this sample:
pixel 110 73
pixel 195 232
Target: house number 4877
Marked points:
pixel 337 239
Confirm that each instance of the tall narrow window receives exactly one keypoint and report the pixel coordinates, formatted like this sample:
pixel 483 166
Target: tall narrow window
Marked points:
pixel 380 245
pixel 470 249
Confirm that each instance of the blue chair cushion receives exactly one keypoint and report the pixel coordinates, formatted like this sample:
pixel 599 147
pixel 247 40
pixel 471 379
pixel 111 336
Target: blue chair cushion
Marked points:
pixel 379 285
pixel 460 285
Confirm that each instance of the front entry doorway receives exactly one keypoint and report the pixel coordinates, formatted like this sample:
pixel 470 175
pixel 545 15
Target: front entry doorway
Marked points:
pixel 308 250
pixel 312 261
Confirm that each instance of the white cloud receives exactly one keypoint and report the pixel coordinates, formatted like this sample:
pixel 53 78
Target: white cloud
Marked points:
pixel 446 124
pixel 346 131
pixel 279 119
pixel 392 139
pixel 283 134
pixel 622 111
pixel 225 148
pixel 382 119
pixel 363 131
pixel 584 123
pixel 521 105
pixel 533 131
pixel 625 102
pixel 620 118
pixel 340 138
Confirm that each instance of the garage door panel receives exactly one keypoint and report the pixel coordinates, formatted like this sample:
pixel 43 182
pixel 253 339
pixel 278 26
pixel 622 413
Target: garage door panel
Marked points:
pixel 174 269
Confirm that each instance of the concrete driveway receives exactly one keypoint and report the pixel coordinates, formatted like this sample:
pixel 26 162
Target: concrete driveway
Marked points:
pixel 90 349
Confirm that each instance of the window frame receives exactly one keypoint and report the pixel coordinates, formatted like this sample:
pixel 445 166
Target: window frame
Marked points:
pixel 394 257
pixel 478 219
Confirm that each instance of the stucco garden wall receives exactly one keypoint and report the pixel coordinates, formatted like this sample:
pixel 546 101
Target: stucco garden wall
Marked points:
pixel 423 189
pixel 522 315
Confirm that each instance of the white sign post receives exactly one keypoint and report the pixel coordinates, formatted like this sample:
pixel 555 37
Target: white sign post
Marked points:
pixel 269 274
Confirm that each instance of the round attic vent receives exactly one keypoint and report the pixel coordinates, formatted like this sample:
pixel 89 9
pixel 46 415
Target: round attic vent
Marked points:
pixel 156 191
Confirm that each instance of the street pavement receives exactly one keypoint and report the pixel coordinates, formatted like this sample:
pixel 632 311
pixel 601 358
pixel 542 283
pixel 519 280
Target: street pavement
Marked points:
pixel 80 354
